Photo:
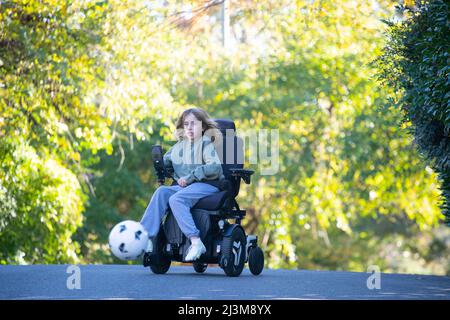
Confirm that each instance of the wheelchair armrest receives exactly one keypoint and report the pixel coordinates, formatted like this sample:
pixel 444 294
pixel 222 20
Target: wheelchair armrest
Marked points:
pixel 242 173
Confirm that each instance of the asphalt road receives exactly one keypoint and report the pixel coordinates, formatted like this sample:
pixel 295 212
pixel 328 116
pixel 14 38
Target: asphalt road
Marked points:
pixel 181 282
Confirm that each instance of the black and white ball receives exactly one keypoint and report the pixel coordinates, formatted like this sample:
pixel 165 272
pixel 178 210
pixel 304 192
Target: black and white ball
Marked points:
pixel 128 240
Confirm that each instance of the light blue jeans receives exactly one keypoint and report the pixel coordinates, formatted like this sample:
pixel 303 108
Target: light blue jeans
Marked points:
pixel 181 200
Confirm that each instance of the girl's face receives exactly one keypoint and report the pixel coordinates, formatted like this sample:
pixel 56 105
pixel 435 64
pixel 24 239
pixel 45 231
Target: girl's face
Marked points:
pixel 192 127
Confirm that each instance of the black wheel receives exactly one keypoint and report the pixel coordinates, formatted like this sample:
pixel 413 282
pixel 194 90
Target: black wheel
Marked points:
pixel 158 262
pixel 256 260
pixel 200 267
pixel 232 259
pixel 160 266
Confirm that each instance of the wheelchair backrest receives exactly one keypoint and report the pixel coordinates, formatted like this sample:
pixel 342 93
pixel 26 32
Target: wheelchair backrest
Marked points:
pixel 230 151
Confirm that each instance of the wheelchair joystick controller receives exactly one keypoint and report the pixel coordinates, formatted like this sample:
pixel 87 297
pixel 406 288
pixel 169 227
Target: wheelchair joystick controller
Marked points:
pixel 158 163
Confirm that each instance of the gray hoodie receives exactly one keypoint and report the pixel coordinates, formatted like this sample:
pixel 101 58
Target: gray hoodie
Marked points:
pixel 194 161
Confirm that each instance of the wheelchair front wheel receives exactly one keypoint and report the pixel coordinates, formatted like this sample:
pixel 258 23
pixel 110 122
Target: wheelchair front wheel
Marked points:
pixel 199 267
pixel 256 260
pixel 158 262
pixel 161 265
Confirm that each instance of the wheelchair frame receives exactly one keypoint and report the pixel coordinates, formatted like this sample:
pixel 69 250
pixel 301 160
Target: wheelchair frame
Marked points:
pixel 226 241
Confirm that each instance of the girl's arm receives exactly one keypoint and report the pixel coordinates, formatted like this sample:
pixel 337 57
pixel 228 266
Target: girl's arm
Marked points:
pixel 211 170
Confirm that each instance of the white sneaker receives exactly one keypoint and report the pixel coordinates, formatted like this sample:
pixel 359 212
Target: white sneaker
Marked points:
pixel 149 246
pixel 196 249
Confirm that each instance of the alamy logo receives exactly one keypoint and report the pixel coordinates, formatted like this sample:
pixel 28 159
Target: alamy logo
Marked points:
pixel 74 280
pixel 374 280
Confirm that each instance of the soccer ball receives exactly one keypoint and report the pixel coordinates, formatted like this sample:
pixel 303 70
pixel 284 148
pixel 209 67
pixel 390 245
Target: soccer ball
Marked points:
pixel 128 240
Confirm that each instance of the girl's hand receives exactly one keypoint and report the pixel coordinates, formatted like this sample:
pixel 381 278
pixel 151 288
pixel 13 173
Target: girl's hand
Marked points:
pixel 182 182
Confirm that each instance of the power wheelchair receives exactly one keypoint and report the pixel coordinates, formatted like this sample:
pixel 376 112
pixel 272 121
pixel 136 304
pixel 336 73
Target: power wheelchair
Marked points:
pixel 226 243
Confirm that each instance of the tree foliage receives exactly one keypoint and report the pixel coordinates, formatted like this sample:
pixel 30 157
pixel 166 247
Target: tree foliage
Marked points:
pixel 47 64
pixel 351 189
pixel 415 63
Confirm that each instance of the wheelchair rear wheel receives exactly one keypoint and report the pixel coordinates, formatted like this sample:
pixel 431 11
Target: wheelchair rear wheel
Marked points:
pixel 233 253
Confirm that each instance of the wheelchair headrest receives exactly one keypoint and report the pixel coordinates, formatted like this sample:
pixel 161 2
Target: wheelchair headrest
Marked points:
pixel 231 150
pixel 225 124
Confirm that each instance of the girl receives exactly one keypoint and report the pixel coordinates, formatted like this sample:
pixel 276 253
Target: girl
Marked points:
pixel 194 159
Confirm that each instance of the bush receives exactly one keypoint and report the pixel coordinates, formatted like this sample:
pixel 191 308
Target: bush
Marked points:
pixel 415 65
pixel 40 207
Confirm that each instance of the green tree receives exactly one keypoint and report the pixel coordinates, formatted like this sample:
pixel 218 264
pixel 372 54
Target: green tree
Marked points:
pixel 40 207
pixel 47 63
pixel 347 170
pixel 351 189
pixel 415 63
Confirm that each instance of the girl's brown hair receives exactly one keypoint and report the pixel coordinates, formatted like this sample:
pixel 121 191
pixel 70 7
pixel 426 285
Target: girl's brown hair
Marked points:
pixel 209 126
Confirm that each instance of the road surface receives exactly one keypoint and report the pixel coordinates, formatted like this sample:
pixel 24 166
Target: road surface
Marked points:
pixel 181 282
